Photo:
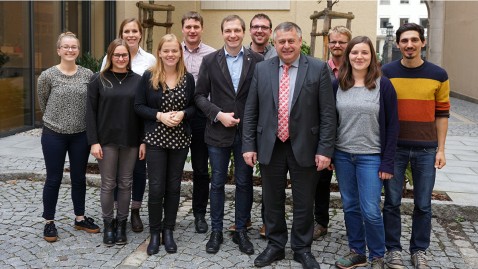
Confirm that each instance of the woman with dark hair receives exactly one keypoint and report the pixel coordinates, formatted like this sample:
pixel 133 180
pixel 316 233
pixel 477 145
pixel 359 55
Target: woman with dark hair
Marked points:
pixel 367 135
pixel 114 133
pixel 131 31
pixel 62 98
pixel 165 102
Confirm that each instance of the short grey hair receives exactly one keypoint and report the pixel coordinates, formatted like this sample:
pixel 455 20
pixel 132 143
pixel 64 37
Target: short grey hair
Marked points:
pixel 286 27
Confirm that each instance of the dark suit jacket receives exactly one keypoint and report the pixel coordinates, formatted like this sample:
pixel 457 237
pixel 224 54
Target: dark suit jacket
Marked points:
pixel 312 120
pixel 148 102
pixel 214 81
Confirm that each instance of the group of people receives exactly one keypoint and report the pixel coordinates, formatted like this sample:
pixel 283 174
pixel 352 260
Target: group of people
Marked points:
pixel 291 113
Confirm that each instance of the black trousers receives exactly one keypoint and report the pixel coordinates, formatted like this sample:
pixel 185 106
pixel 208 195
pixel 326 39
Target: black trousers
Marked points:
pixel 322 198
pixel 165 169
pixel 304 182
pixel 199 161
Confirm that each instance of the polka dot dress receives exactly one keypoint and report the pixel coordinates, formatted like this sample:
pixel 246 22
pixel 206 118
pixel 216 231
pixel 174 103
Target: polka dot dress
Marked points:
pixel 171 137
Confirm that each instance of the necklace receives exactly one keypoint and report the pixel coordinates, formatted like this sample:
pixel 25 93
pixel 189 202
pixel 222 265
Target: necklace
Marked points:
pixel 122 78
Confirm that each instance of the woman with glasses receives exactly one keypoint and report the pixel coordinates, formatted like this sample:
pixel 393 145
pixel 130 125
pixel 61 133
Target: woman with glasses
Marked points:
pixel 114 133
pixel 367 134
pixel 62 98
pixel 165 102
pixel 132 32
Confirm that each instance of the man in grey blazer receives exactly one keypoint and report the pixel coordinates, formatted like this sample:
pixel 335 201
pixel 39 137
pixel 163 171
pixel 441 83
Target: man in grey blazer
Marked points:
pixel 306 148
pixel 221 93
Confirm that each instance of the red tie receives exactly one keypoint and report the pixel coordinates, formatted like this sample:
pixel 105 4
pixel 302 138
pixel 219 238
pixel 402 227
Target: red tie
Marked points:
pixel 283 115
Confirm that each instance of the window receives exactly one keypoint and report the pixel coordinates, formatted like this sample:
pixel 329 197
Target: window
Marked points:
pixel 404 1
pixel 403 21
pixel 384 2
pixel 424 22
pixel 383 22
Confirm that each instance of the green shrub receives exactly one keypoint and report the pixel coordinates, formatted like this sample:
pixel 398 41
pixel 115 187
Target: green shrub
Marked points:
pixel 88 61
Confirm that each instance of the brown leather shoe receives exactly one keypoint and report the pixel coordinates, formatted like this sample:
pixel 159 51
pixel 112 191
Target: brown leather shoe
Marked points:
pixel 262 231
pixel 136 223
pixel 319 231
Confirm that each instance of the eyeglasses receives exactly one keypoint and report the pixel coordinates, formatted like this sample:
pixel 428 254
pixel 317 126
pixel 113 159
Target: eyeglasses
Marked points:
pixel 119 55
pixel 67 48
pixel 333 43
pixel 257 27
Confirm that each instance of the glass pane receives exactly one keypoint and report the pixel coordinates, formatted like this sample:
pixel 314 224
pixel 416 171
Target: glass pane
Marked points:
pixel 47 28
pixel 15 81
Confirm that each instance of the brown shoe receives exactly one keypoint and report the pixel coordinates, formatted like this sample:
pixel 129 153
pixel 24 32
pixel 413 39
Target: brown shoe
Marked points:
pixel 319 231
pixel 136 223
pixel 233 227
pixel 262 231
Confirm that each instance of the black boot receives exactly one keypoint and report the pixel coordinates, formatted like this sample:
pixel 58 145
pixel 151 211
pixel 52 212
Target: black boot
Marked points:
pixel 121 232
pixel 136 223
pixel 154 242
pixel 109 232
pixel 168 241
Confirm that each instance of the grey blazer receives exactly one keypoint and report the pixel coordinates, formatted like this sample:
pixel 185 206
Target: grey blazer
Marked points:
pixel 312 121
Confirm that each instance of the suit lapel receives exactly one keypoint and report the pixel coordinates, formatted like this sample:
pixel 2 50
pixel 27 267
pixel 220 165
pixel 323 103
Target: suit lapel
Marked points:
pixel 221 61
pixel 274 75
pixel 246 64
pixel 301 72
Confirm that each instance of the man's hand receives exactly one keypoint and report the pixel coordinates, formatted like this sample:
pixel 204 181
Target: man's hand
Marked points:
pixel 440 160
pixel 227 119
pixel 250 158
pixel 321 162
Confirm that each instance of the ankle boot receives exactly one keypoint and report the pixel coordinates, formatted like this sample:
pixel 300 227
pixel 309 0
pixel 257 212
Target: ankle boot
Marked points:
pixel 109 232
pixel 121 232
pixel 154 242
pixel 168 241
pixel 136 223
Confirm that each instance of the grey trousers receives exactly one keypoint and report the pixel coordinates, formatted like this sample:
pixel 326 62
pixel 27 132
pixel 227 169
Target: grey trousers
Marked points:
pixel 117 163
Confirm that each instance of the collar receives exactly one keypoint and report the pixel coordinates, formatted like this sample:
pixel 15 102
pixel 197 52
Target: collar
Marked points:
pixel 267 48
pixel 294 63
pixel 194 50
pixel 241 52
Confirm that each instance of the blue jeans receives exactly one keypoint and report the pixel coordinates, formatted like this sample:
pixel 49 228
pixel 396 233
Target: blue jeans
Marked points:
pixel 219 158
pixel 360 188
pixel 55 146
pixel 422 161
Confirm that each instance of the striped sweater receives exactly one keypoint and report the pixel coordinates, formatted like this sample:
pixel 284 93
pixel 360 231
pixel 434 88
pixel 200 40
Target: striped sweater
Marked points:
pixel 423 94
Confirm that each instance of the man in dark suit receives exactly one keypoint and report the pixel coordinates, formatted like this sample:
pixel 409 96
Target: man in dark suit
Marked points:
pixel 289 126
pixel 221 92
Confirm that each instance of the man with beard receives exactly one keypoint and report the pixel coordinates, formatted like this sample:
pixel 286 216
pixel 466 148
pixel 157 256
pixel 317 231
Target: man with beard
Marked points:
pixel 423 92
pixel 261 30
pixel 339 36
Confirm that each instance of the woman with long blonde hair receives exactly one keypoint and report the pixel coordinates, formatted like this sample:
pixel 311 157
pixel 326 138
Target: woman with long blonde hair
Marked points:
pixel 165 102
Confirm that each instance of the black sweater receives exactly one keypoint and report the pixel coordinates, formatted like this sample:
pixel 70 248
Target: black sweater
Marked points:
pixel 110 116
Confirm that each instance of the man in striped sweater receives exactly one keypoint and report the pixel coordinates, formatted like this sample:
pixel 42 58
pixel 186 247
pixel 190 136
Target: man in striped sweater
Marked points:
pixel 424 107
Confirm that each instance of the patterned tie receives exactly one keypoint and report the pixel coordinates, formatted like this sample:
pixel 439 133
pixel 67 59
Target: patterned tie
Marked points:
pixel 283 115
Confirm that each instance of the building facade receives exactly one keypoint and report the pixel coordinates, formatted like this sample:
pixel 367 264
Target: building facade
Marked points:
pixel 29 29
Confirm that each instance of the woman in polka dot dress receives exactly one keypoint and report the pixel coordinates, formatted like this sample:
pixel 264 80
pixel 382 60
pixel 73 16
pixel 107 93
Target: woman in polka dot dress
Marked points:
pixel 165 101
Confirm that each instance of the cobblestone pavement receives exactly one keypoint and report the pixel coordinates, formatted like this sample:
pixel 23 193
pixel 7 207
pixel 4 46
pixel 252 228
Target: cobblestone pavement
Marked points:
pixel 454 244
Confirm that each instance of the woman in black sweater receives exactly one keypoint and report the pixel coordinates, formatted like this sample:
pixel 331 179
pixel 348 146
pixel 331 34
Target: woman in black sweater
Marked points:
pixel 114 133
pixel 165 101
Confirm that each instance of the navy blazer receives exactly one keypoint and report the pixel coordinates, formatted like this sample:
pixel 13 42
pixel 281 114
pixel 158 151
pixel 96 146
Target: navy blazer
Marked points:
pixel 215 92
pixel 148 102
